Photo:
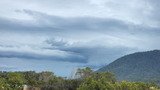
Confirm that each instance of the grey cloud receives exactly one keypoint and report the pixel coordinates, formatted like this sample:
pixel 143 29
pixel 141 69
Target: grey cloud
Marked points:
pixel 155 9
pixel 56 43
pixel 13 25
pixel 80 23
pixel 93 53
pixel 55 24
pixel 84 24
pixel 50 24
pixel 103 54
pixel 72 57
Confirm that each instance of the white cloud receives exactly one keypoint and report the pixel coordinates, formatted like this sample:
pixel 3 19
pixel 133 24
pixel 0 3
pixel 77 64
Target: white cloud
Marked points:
pixel 138 12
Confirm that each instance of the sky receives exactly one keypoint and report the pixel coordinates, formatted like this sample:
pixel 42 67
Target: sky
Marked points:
pixel 63 35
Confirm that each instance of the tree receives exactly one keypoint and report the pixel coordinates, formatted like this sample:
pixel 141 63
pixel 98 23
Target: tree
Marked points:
pixel 98 81
pixel 83 73
pixel 31 78
pixel 3 84
pixel 15 79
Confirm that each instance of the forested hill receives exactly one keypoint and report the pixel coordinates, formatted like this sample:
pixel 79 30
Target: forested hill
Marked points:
pixel 140 66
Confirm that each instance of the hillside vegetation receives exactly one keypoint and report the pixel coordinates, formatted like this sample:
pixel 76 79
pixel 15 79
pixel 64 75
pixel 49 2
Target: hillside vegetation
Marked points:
pixel 87 80
pixel 140 66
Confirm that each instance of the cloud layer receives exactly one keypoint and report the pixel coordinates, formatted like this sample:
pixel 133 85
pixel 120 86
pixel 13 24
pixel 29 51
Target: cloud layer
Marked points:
pixel 66 34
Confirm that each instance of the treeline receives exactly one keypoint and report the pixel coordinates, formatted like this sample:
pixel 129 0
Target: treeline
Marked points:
pixel 85 79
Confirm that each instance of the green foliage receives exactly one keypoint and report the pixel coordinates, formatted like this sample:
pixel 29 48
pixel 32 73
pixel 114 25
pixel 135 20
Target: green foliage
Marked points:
pixel 15 79
pixel 3 84
pixel 83 73
pixel 98 81
pixel 91 84
pixel 31 78
pixel 89 80
pixel 104 77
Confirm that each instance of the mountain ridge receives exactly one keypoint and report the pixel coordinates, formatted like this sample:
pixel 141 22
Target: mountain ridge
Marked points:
pixel 139 66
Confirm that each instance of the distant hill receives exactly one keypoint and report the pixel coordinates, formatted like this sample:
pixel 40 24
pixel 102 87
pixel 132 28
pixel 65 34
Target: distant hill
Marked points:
pixel 140 66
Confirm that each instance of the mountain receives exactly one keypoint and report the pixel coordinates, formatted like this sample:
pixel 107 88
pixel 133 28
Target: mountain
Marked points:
pixel 140 66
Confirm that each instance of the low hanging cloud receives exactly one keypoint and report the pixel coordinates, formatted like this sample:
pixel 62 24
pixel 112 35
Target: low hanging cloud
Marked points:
pixel 105 54
pixel 31 53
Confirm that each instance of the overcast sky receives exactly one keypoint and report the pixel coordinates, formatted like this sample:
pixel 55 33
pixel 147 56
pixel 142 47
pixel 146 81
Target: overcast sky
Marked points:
pixel 62 35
